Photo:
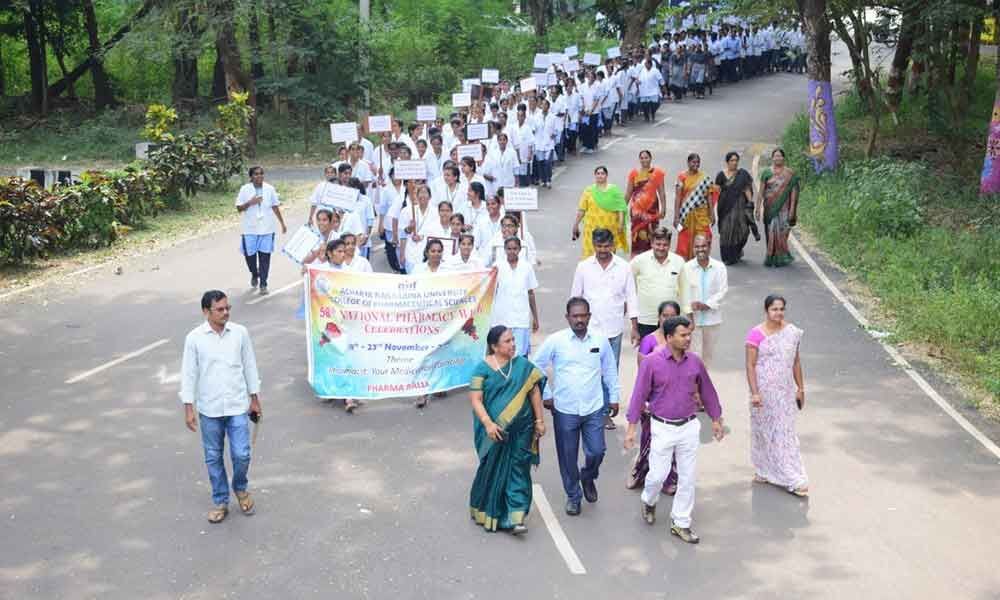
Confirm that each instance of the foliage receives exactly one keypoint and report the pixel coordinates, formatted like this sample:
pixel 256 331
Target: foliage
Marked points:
pixel 30 219
pixel 159 120
pixel 234 115
pixel 194 161
pixel 882 195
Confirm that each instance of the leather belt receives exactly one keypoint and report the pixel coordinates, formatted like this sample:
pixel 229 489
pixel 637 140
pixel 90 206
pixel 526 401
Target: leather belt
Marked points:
pixel 674 422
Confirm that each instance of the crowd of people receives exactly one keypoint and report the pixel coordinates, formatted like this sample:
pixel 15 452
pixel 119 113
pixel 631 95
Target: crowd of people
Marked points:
pixel 628 278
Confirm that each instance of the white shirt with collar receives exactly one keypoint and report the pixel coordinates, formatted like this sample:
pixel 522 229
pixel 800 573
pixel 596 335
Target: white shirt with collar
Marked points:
pixel 219 371
pixel 259 219
pixel 610 292
pixel 708 286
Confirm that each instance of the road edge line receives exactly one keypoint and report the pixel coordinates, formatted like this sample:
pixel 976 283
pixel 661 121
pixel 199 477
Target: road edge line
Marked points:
pixel 556 531
pixel 112 363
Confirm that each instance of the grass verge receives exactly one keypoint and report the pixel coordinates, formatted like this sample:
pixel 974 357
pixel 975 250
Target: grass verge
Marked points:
pixel 913 230
pixel 203 214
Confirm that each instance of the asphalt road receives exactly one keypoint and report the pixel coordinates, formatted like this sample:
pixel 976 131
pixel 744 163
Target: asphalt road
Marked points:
pixel 103 492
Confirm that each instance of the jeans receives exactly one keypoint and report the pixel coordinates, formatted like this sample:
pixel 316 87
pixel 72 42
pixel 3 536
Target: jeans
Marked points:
pixel 542 167
pixel 616 349
pixel 569 430
pixel 213 433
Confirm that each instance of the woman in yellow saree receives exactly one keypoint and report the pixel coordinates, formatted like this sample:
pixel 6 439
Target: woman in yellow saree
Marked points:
pixel 506 397
pixel 693 206
pixel 647 201
pixel 602 205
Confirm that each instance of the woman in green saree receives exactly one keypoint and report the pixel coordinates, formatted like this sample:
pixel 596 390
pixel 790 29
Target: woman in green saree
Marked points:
pixel 506 397
pixel 778 203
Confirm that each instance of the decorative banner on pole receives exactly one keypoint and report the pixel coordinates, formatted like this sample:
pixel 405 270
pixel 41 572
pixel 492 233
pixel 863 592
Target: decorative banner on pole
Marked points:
pixel 823 140
pixel 380 335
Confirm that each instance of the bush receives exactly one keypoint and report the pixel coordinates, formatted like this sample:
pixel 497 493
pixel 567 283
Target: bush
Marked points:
pixel 883 196
pixel 30 219
pixel 193 161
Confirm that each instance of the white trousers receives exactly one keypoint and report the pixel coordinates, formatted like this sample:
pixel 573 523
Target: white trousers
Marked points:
pixel 668 440
pixel 704 340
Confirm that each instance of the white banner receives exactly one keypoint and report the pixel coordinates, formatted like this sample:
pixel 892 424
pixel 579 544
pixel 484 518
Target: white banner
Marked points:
pixel 490 76
pixel 478 131
pixel 301 244
pixel 462 100
pixel 410 170
pixel 339 197
pixel 591 59
pixel 520 198
pixel 427 114
pixel 473 150
pixel 343 132
pixel 380 123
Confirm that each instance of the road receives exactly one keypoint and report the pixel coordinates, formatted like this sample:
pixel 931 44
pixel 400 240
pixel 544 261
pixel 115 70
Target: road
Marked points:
pixel 103 491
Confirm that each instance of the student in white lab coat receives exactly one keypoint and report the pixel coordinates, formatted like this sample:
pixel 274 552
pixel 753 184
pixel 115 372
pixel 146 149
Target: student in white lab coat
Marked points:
pixel 352 260
pixel 419 221
pixel 500 166
pixel 466 259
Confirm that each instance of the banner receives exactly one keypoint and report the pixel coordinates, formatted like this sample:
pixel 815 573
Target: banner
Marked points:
pixel 380 335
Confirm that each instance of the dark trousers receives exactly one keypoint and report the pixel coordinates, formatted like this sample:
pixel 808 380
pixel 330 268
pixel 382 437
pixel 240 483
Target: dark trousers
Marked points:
pixel 523 180
pixel 542 170
pixel 569 430
pixel 570 144
pixel 588 132
pixel 391 253
pixel 259 265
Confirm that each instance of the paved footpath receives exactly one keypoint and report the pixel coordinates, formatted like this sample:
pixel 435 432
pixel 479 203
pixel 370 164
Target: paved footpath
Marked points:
pixel 103 491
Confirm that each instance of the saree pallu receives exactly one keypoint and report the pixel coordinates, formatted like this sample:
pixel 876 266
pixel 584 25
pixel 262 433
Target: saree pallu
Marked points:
pixel 644 208
pixel 640 468
pixel 501 491
pixel 696 211
pixel 596 217
pixel 735 214
pixel 780 207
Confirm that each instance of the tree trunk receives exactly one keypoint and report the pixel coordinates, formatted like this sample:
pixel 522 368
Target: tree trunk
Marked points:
pixel 185 85
pixel 256 62
pixel 218 78
pixel 3 73
pixel 968 83
pixel 539 15
pixel 36 57
pixel 272 41
pixel 237 80
pixel 103 95
pixel 635 21
pixel 901 59
pixel 823 143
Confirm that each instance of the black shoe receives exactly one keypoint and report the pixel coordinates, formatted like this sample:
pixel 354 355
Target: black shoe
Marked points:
pixel 572 508
pixel 648 512
pixel 253 281
pixel 589 490
pixel 263 290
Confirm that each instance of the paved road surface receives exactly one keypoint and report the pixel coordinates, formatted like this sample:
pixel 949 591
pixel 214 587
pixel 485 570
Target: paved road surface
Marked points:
pixel 104 491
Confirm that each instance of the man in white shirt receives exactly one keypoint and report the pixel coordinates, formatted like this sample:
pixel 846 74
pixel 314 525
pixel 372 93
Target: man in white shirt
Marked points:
pixel 705 286
pixel 220 382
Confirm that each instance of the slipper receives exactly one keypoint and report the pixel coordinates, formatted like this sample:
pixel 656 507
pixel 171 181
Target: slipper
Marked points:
pixel 246 503
pixel 218 514
pixel 609 424
pixel 759 479
pixel 800 492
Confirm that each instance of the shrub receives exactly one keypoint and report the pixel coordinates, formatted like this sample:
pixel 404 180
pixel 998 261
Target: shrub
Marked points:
pixel 159 119
pixel 30 219
pixel 194 161
pixel 884 195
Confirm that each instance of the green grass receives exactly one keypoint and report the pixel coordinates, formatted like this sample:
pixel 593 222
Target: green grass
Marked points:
pixel 911 226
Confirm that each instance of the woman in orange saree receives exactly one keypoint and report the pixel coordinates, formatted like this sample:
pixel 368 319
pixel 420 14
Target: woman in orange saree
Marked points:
pixel 693 206
pixel 647 201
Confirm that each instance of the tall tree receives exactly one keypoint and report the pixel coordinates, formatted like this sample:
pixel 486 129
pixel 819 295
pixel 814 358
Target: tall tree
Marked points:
pixel 237 79
pixel 103 95
pixel 540 15
pixel 901 57
pixel 38 65
pixel 823 141
pixel 187 47
pixel 253 32
pixel 634 16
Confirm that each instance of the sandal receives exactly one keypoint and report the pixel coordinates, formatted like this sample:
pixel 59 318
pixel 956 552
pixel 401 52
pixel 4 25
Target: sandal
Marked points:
pixel 217 514
pixel 246 503
pixel 801 492
pixel 350 405
pixel 759 479
pixel 421 402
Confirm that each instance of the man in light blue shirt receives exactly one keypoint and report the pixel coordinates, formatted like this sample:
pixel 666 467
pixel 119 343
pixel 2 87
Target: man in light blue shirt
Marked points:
pixel 583 368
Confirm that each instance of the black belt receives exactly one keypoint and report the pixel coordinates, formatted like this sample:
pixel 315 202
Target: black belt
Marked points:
pixel 674 422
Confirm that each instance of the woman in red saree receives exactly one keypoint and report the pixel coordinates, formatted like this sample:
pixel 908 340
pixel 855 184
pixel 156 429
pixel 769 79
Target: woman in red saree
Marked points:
pixel 647 201
pixel 693 206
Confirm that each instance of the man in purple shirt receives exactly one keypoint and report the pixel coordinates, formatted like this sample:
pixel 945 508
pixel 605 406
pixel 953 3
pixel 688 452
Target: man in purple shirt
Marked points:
pixel 668 379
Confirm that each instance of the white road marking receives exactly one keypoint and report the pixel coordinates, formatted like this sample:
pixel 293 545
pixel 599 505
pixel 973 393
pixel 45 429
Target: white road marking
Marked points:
pixel 557 172
pixel 895 355
pixel 662 121
pixel 117 361
pixel 276 292
pixel 556 531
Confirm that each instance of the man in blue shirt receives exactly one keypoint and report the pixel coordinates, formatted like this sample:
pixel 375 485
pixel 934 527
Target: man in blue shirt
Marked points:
pixel 583 367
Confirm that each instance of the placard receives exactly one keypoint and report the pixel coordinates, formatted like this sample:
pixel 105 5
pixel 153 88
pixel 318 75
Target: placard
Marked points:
pixel 591 59
pixel 427 114
pixel 380 123
pixel 410 170
pixel 301 244
pixel 614 52
pixel 541 61
pixel 525 198
pixel 571 66
pixel 541 79
pixel 556 57
pixel 571 51
pixel 528 85
pixel 490 76
pixel 339 197
pixel 463 100
pixel 551 79
pixel 343 132
pixel 477 131
pixel 473 150
pixel 468 83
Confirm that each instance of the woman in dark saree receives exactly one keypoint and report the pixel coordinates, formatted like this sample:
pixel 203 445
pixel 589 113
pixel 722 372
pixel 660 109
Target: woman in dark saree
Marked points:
pixel 735 209
pixel 506 397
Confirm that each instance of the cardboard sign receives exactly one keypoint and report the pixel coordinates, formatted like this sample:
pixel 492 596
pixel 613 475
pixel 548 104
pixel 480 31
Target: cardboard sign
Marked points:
pixel 551 79
pixel 478 131
pixel 343 132
pixel 463 100
pixel 528 85
pixel 473 150
pixel 380 123
pixel 301 244
pixel 541 79
pixel 339 197
pixel 410 170
pixel 571 66
pixel 468 83
pixel 427 114
pixel 556 58
pixel 490 76
pixel 614 52
pixel 591 59
pixel 520 198
pixel 541 61
pixel 571 51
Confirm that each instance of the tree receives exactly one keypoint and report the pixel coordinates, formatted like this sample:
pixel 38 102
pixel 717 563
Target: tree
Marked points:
pixel 539 14
pixel 35 38
pixel 634 16
pixel 237 80
pixel 823 142
pixel 187 47
pixel 103 95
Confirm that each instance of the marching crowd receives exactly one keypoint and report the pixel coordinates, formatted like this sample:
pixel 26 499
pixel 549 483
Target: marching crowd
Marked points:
pixel 455 219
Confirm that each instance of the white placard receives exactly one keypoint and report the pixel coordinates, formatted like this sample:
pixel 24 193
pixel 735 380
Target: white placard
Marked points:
pixel 380 123
pixel 427 114
pixel 301 244
pixel 410 170
pixel 552 79
pixel 490 76
pixel 591 59
pixel 541 79
pixel 557 57
pixel 528 85
pixel 520 198
pixel 614 52
pixel 473 150
pixel 541 61
pixel 571 51
pixel 468 83
pixel 339 197
pixel 343 132
pixel 462 100
pixel 478 131
pixel 571 66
